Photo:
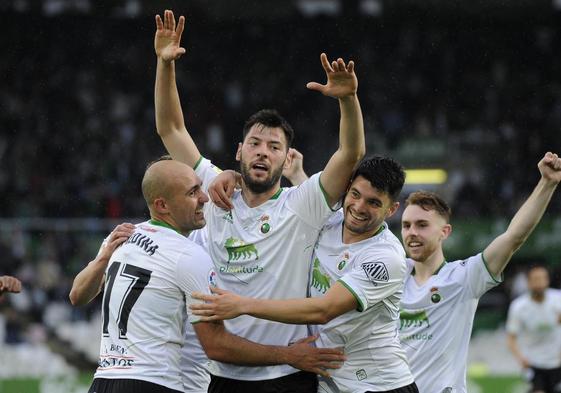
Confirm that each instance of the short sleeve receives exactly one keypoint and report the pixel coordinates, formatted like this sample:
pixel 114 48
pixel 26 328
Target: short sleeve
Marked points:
pixel 206 171
pixel 195 272
pixel 309 202
pixel 377 275
pixel 479 278
pixel 513 323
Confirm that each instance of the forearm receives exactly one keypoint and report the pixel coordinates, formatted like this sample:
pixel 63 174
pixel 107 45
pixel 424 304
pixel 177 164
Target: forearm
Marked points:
pixel 229 348
pixel 170 123
pixel 513 347
pixel 88 282
pixel 297 178
pixel 169 116
pixel 352 146
pixel 531 212
pixel 295 311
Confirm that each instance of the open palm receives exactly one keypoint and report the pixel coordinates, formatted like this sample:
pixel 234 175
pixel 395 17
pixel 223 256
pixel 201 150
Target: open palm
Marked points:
pixel 167 40
pixel 341 79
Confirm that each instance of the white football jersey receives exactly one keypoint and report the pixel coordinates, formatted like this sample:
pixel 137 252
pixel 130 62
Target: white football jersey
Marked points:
pixel 437 319
pixel 148 285
pixel 373 270
pixel 264 252
pixel 537 328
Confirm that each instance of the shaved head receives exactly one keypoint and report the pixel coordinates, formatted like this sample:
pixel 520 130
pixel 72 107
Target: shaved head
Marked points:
pixel 161 178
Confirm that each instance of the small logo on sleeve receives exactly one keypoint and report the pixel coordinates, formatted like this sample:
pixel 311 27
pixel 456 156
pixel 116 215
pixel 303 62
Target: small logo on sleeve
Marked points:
pixel 376 271
pixel 212 276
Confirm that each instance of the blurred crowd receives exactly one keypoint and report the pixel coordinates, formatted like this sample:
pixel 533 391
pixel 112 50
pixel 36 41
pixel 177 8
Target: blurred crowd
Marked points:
pixel 481 100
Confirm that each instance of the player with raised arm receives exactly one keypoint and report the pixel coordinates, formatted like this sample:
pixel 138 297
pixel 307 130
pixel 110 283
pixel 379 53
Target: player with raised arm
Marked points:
pixel 263 246
pixel 148 283
pixel 534 331
pixel 356 284
pixel 440 297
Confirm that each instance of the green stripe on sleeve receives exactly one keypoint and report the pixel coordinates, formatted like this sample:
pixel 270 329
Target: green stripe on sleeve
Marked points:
pixel 500 279
pixel 361 307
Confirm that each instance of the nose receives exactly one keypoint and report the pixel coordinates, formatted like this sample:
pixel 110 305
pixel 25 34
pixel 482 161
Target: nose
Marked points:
pixel 203 198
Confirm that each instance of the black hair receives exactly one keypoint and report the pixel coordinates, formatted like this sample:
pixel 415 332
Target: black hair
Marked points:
pixel 270 118
pixel 383 173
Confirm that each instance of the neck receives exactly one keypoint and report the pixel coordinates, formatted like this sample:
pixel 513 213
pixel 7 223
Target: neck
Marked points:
pixel 350 237
pixel 166 222
pixel 425 269
pixel 538 296
pixel 253 199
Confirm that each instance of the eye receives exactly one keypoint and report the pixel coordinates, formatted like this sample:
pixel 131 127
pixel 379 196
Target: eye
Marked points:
pixel 405 226
pixel 355 194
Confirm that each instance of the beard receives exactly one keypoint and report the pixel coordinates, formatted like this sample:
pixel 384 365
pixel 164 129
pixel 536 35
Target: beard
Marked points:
pixel 260 186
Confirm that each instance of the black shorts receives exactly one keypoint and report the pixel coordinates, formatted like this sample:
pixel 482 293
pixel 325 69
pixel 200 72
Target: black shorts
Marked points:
pixel 300 382
pixel 107 385
pixel 546 379
pixel 404 389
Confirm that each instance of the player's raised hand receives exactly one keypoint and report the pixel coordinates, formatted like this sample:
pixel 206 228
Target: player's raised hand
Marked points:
pixel 9 284
pixel 167 41
pixel 550 167
pixel 219 306
pixel 316 360
pixel 294 170
pixel 341 78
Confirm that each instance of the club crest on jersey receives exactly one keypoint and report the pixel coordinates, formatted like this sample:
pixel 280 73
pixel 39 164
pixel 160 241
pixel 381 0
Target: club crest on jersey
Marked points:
pixel 212 276
pixel 435 297
pixel 376 272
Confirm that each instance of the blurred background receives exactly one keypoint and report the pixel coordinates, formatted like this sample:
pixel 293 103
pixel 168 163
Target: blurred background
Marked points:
pixel 469 90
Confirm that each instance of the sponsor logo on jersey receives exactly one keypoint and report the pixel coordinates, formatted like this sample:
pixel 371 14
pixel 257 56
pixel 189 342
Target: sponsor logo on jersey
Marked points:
pixel 376 271
pixel 361 374
pixel 320 281
pixel 238 250
pixel 413 319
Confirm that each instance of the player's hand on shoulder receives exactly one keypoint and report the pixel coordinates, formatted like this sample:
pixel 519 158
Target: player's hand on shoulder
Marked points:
pixel 341 78
pixel 117 237
pixel 222 188
pixel 167 41
pixel 550 167
pixel 219 305
pixel 307 357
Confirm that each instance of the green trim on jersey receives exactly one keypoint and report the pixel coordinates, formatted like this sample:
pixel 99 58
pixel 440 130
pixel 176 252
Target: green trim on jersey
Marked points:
pixel 500 280
pixel 326 197
pixel 277 194
pixel 361 307
pixel 198 163
pixel 382 227
pixel 435 272
pixel 163 224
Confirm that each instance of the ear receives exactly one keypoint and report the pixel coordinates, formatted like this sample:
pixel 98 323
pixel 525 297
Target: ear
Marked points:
pixel 446 231
pixel 160 206
pixel 239 152
pixel 393 209
pixel 288 159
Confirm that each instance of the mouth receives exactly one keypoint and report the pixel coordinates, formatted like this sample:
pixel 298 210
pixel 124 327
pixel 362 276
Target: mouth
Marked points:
pixel 414 244
pixel 260 167
pixel 357 217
